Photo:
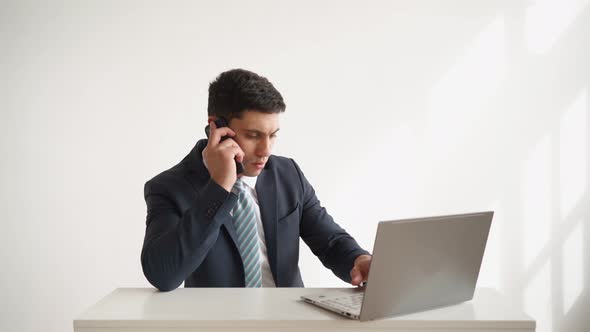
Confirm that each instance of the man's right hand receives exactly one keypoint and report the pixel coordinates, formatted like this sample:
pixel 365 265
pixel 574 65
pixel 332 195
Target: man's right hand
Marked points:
pixel 219 157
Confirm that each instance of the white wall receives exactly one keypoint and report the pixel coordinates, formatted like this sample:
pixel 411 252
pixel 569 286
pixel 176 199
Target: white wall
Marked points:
pixel 394 109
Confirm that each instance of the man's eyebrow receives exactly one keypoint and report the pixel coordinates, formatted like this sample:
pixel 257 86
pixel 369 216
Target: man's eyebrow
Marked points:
pixel 259 132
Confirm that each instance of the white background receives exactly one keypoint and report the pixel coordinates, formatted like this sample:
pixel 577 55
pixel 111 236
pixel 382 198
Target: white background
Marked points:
pixel 394 109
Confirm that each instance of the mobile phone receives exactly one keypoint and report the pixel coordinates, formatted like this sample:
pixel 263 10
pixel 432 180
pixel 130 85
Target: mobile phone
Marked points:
pixel 222 122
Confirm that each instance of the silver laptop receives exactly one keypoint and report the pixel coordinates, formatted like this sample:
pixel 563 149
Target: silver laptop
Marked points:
pixel 418 264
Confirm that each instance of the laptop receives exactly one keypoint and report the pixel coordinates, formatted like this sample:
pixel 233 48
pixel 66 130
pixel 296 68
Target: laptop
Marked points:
pixel 418 264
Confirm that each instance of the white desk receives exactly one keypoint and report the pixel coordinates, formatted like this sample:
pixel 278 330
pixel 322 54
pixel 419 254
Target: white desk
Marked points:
pixel 280 309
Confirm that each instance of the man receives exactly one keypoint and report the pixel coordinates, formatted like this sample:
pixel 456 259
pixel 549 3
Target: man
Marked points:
pixel 208 226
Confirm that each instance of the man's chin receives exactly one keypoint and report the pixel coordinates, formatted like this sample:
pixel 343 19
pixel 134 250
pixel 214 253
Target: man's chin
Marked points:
pixel 251 172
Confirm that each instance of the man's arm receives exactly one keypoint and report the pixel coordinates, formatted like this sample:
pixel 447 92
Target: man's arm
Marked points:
pixel 335 248
pixel 176 243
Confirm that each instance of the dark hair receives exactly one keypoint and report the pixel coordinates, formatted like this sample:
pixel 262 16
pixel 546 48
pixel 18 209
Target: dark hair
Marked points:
pixel 238 90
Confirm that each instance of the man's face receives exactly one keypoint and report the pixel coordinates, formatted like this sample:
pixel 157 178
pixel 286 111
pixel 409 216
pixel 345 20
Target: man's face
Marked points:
pixel 256 133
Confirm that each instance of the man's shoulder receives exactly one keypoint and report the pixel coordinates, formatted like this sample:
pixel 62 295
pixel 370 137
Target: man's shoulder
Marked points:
pixel 284 164
pixel 280 161
pixel 173 177
pixel 189 166
pixel 287 169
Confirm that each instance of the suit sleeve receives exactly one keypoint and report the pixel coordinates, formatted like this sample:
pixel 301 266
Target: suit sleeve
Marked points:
pixel 335 248
pixel 176 242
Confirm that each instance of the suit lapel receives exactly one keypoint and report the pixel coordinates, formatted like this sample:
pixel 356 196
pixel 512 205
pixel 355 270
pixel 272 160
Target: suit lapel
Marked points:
pixel 231 229
pixel 266 190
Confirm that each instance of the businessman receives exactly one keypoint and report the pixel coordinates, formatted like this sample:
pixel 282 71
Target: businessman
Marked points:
pixel 210 225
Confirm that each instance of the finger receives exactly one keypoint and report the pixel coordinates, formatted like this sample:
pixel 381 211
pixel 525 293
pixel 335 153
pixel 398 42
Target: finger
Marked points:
pixel 356 276
pixel 236 152
pixel 217 133
pixel 240 156
pixel 227 143
pixel 365 276
pixel 366 272
pixel 356 281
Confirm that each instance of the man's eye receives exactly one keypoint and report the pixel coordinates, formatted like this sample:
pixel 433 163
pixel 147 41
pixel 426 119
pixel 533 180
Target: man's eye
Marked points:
pixel 254 136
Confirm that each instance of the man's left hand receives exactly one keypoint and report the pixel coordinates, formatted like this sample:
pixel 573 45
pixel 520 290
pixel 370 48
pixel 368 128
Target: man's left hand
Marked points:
pixel 360 270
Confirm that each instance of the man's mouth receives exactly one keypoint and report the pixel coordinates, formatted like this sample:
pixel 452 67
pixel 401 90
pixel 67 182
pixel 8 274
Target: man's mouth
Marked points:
pixel 259 164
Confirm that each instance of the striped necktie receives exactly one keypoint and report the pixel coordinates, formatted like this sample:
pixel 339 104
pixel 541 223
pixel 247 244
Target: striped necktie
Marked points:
pixel 244 219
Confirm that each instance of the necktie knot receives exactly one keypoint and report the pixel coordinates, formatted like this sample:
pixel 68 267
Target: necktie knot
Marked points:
pixel 239 187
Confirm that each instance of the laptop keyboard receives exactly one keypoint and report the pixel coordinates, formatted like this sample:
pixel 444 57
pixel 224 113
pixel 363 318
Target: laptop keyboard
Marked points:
pixel 351 302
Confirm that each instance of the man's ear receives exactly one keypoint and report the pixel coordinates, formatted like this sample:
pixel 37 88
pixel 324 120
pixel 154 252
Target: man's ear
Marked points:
pixel 211 118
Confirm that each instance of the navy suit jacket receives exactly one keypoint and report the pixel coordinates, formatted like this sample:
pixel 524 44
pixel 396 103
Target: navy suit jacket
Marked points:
pixel 190 235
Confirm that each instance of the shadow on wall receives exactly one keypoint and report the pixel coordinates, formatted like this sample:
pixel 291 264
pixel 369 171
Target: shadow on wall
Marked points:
pixel 544 226
pixel 553 194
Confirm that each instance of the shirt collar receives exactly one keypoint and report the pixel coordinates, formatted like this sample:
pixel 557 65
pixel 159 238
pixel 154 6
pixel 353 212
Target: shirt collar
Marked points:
pixel 250 181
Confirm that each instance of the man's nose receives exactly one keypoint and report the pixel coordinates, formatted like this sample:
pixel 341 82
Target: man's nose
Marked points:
pixel 264 147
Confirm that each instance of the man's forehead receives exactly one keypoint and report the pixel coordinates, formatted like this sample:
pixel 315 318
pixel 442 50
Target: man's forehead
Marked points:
pixel 259 122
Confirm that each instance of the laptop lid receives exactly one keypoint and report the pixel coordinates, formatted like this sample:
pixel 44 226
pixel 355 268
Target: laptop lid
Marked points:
pixel 425 263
